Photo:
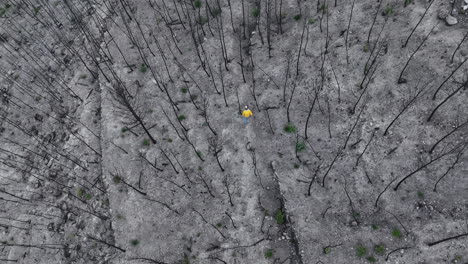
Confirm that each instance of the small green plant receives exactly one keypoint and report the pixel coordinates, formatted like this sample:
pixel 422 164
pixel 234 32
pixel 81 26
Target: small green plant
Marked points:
pixel 83 76
pixel 297 17
pixel 365 48
pixel 116 179
pixel 371 259
pixel 326 250
pixel 311 20
pixel 374 227
pixel 202 20
pixel 300 146
pixel 181 117
pixel 134 242
pixel 296 166
pixel 379 249
pixel 215 12
pixel 280 218
pixel 219 225
pixel 197 3
pixel 420 194
pixel 124 129
pixel 88 196
pixel 184 90
pixel 396 233
pixel 143 68
pixel 290 128
pixel 199 154
pixel 119 216
pixel 36 10
pixel 323 8
pixel 356 215
pixel 361 251
pixel 388 10
pixel 80 192
pixel 255 12
pixel 269 254
pixel 407 2
pixel 146 142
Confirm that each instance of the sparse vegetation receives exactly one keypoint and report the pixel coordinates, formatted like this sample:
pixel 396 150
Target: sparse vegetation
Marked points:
pixel 134 242
pixel 361 251
pixel 300 146
pixel 181 117
pixel 371 259
pixel 290 128
pixel 269 254
pixel 146 142
pixel 297 17
pixel 280 217
pixel 388 10
pixel 379 249
pixel 396 233
pixel 255 12
pixel 143 68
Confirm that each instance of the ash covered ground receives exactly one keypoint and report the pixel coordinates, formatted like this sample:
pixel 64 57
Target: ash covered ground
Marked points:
pixel 122 140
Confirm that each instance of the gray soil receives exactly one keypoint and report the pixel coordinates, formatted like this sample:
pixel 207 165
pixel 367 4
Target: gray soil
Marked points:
pixel 121 139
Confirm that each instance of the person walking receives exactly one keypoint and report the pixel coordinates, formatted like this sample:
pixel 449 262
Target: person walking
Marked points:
pixel 246 114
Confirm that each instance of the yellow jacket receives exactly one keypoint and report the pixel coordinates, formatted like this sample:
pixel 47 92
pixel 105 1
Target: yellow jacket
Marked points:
pixel 247 113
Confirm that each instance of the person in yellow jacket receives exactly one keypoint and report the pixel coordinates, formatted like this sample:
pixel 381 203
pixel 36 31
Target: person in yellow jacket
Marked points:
pixel 246 114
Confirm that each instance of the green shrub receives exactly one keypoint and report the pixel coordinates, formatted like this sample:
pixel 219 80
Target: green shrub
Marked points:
pixel 300 146
pixel 181 117
pixel 420 194
pixel 215 12
pixel 296 166
pixel 326 250
pixel 371 259
pixel 88 196
pixel 297 17
pixel 143 68
pixel 396 233
pixel 379 249
pixel 407 2
pixel 255 12
pixel 323 8
pixel 184 90
pixel 290 128
pixel 80 192
pixel 269 254
pixel 388 10
pixel 280 217
pixel 365 48
pixel 311 20
pixel 134 242
pixel 36 10
pixel 361 251
pixel 146 142
pixel 116 179
pixel 374 227
pixel 197 3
